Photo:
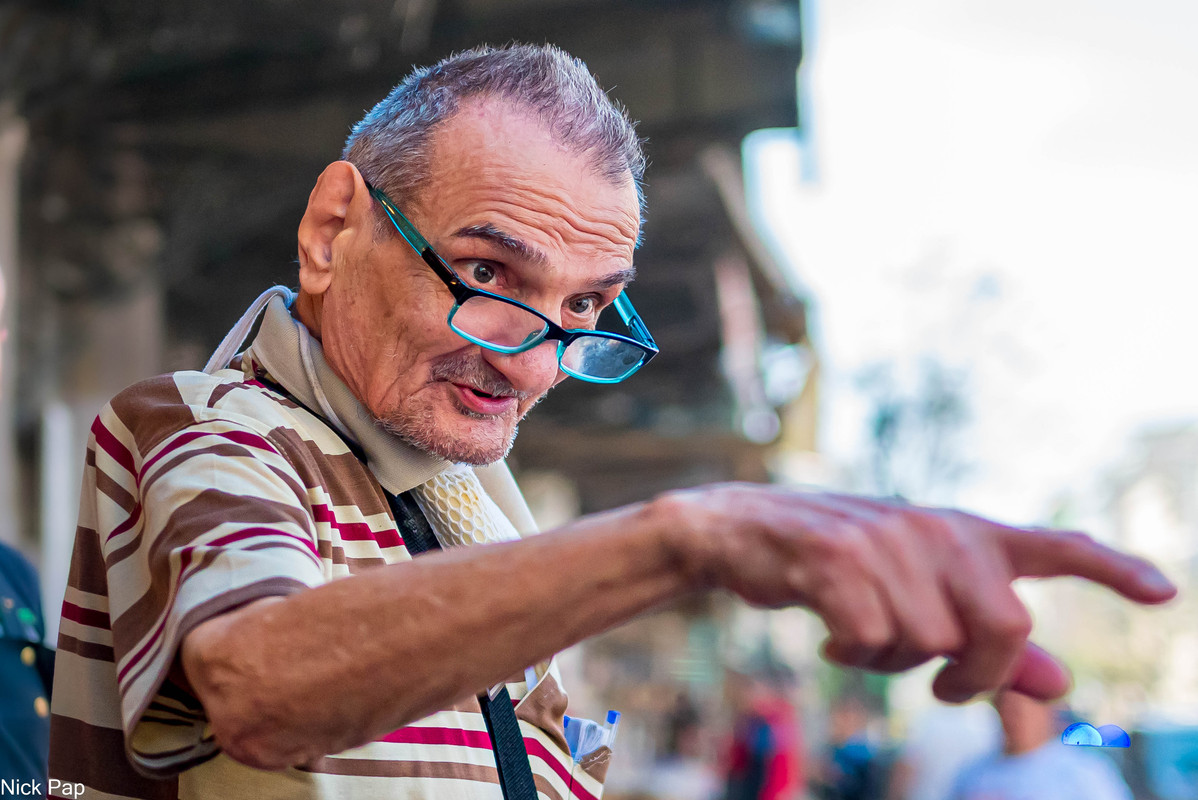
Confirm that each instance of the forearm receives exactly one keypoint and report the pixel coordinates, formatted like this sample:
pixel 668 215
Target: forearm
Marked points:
pixel 290 680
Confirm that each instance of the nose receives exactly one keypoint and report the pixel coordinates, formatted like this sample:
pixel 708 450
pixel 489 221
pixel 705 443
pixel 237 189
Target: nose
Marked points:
pixel 534 371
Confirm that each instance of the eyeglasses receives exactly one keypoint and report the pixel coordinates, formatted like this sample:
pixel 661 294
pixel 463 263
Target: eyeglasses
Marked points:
pixel 507 326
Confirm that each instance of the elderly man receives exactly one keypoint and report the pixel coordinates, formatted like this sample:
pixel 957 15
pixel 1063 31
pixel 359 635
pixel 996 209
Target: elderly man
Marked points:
pixel 244 618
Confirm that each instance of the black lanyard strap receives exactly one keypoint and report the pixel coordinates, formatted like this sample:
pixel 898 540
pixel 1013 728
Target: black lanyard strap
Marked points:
pixel 511 759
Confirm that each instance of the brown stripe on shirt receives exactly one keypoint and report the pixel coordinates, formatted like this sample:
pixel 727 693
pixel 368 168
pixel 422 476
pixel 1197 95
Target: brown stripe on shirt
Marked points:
pixel 335 554
pixel 95 756
pixel 377 768
pixel 82 647
pixel 545 787
pixel 342 472
pixel 212 508
pixel 88 572
pixel 151 411
pixel 115 492
pixel 220 447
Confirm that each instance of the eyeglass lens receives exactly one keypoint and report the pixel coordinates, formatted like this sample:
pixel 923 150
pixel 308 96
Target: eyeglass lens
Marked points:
pixel 498 323
pixel 601 357
pixel 510 328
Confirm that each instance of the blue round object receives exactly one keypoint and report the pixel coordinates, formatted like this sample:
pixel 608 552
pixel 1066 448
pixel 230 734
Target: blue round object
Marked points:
pixel 1082 733
pixel 1114 736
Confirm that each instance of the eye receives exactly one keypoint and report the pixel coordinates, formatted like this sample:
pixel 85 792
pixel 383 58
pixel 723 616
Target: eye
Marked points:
pixel 586 306
pixel 481 272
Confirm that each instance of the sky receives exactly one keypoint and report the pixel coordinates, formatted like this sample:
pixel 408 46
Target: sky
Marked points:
pixel 1011 189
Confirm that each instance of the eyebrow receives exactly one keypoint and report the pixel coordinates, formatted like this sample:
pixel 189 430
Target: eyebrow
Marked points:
pixel 505 241
pixel 526 252
pixel 621 278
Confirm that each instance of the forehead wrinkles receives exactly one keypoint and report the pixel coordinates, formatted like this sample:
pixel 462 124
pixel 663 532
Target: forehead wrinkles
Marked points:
pixel 559 227
pixel 553 210
pixel 516 170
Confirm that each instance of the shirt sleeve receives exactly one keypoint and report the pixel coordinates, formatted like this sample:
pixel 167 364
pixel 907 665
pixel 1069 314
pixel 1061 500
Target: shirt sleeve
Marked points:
pixel 216 517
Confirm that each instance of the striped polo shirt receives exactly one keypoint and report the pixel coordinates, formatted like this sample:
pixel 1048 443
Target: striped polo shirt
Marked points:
pixel 201 493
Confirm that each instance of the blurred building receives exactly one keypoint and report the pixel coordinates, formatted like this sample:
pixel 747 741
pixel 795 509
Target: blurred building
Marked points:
pixel 155 159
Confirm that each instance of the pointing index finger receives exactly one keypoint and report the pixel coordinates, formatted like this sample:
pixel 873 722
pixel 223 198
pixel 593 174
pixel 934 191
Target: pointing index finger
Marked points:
pixel 1040 553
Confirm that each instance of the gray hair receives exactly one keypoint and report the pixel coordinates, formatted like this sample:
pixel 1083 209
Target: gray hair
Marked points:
pixel 390 145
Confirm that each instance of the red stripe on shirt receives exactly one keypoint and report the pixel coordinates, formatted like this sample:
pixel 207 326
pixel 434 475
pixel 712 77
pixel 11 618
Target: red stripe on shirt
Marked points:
pixel 112 446
pixel 129 522
pixel 535 747
pixel 85 616
pixel 455 736
pixel 238 437
pixel 356 531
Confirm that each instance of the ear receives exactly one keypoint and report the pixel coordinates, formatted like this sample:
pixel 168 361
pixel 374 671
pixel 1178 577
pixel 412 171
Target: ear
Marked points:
pixel 339 204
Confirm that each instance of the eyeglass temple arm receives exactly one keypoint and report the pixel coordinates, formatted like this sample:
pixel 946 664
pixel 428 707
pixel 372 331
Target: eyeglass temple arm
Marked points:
pixel 418 242
pixel 633 320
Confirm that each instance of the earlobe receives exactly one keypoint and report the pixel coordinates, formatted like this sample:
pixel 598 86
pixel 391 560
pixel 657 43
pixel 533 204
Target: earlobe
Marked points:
pixel 331 211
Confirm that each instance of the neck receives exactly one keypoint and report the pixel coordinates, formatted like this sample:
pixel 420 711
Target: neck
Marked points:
pixel 307 310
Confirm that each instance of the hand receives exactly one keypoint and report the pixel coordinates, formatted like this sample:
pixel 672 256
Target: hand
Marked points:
pixel 898 584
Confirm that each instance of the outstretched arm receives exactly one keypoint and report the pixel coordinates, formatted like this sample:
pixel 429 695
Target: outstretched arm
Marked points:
pixel 285 681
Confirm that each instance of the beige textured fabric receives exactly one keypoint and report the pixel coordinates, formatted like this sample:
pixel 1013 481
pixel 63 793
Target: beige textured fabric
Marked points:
pixel 459 510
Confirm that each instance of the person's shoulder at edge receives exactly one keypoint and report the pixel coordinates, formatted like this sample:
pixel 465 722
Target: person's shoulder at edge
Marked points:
pixel 16 569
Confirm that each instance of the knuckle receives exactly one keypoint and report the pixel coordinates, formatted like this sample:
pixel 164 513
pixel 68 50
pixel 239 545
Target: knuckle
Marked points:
pixel 937 641
pixel 872 637
pixel 1013 626
pixel 939 529
pixel 672 505
pixel 1076 540
pixel 846 543
pixel 866 632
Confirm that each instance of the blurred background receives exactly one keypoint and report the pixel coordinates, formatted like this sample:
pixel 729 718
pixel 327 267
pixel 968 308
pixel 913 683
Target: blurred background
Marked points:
pixel 925 248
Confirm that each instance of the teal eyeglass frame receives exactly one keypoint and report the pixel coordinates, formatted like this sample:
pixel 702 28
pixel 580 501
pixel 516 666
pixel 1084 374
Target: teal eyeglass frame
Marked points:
pixel 563 336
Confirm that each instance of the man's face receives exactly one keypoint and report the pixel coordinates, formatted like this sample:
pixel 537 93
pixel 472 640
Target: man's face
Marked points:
pixel 511 211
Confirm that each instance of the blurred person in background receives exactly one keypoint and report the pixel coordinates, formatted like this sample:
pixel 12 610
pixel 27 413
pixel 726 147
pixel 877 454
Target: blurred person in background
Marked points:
pixel 24 673
pixel 940 742
pixel 252 621
pixel 1034 764
pixel 765 754
pixel 684 771
pixel 852 766
pixel 25 664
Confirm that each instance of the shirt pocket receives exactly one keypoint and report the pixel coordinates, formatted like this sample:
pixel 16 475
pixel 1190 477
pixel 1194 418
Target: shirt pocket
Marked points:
pixel 541 714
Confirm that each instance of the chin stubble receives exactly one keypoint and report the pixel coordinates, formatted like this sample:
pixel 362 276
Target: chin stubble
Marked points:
pixel 418 427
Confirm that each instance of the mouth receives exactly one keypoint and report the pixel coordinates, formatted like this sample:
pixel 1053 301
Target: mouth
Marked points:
pixel 481 402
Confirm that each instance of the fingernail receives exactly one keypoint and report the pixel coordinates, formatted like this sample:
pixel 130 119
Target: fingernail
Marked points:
pixel 1157 582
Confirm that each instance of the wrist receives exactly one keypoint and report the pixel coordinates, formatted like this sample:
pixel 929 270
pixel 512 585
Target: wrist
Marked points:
pixel 682 529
